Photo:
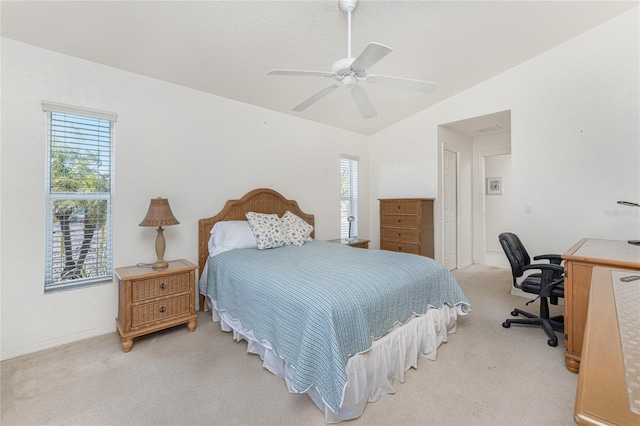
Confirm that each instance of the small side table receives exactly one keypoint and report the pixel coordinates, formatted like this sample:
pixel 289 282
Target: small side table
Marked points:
pixel 355 243
pixel 151 300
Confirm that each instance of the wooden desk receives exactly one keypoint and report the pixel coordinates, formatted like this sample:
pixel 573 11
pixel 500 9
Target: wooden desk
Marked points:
pixel 602 397
pixel 579 263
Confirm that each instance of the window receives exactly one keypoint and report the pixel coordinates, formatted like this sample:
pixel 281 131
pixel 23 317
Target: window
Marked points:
pixel 79 187
pixel 349 194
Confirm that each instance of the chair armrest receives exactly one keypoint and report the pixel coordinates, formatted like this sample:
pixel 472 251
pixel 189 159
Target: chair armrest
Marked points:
pixel 555 259
pixel 544 267
pixel 552 276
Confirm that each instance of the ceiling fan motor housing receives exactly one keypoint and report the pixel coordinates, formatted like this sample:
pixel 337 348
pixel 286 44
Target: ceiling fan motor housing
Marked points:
pixel 342 68
pixel 348 5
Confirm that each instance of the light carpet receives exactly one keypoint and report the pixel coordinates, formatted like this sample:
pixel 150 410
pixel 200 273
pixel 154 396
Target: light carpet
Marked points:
pixel 484 375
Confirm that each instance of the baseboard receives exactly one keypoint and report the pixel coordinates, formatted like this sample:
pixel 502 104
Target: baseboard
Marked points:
pixel 48 344
pixel 464 265
pixel 496 258
pixel 520 293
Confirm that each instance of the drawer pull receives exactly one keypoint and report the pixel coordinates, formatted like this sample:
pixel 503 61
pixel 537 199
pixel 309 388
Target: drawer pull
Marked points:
pixel 399 248
pixel 163 309
pixel 399 234
pixel 399 220
pixel 163 286
pixel 399 206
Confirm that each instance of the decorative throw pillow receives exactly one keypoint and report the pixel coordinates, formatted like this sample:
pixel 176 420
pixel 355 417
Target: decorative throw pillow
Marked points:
pixel 267 229
pixel 296 230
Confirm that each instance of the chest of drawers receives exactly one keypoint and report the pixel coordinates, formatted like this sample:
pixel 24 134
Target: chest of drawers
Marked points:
pixel 150 300
pixel 406 225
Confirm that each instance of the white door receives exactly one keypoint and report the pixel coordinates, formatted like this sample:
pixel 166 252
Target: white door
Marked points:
pixel 450 201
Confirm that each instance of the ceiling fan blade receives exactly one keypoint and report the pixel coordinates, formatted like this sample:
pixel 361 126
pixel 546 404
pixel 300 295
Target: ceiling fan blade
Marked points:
pixel 302 73
pixel 364 104
pixel 316 97
pixel 403 83
pixel 370 56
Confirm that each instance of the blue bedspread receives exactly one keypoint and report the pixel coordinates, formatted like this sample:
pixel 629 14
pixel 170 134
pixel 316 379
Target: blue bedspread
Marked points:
pixel 321 303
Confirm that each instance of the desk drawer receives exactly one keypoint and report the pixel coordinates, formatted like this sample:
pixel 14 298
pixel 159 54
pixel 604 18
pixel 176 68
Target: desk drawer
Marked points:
pixel 160 310
pixel 403 234
pixel 400 221
pixel 401 247
pixel 158 287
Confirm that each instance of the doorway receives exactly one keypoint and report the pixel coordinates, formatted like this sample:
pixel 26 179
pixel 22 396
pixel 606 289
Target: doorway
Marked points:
pixel 470 141
pixel 497 206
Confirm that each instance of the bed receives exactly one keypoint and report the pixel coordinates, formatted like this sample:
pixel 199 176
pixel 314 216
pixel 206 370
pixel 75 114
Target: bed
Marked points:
pixel 335 322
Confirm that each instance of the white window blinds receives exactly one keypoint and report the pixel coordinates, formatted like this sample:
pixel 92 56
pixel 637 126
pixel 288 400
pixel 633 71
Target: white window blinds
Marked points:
pixel 79 187
pixel 349 196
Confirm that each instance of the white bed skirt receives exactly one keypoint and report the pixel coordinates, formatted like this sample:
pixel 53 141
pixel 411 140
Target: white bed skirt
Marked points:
pixel 369 374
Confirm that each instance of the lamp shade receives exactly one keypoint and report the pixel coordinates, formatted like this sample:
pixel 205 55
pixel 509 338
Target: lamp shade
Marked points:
pixel 159 214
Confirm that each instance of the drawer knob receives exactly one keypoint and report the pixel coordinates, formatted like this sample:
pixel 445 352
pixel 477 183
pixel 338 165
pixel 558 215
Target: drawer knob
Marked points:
pixel 399 234
pixel 163 286
pixel 399 248
pixel 398 207
pixel 163 309
pixel 399 220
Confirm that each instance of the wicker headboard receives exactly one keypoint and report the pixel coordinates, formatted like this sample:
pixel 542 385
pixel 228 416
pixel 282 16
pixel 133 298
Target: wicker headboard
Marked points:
pixel 261 200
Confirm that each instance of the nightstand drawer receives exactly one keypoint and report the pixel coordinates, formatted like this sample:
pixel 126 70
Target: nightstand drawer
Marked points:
pixel 410 235
pixel 401 247
pixel 159 310
pixel 401 221
pixel 158 287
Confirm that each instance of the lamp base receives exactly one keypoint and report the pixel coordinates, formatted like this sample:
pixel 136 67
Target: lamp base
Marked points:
pixel 634 242
pixel 160 264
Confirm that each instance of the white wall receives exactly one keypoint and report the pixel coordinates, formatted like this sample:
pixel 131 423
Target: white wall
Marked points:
pixel 196 149
pixel 575 140
pixel 575 152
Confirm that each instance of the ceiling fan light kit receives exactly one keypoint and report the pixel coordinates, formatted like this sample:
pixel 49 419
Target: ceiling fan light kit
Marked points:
pixel 349 72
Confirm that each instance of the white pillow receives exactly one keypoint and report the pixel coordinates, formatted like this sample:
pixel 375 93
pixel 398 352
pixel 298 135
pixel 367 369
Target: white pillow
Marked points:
pixel 231 234
pixel 296 230
pixel 267 230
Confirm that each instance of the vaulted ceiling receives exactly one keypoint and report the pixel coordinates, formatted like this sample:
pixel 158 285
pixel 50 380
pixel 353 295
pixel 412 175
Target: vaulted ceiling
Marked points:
pixel 227 47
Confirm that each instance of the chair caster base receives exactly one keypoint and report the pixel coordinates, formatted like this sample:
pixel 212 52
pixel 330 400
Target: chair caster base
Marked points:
pixel 552 342
pixel 506 324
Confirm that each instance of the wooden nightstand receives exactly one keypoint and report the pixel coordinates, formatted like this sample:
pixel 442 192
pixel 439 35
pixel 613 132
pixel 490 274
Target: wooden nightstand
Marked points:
pixel 151 300
pixel 355 243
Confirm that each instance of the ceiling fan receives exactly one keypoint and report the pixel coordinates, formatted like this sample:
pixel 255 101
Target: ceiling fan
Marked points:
pixel 349 72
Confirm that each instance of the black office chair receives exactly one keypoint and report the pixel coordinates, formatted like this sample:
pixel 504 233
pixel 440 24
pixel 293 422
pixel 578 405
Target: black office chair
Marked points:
pixel 548 284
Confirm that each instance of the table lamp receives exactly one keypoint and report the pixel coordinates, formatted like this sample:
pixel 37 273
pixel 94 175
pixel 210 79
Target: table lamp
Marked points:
pixel 630 204
pixel 350 219
pixel 159 215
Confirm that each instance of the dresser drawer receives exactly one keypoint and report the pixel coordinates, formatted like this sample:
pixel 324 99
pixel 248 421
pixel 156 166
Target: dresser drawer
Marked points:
pixel 401 246
pixel 158 287
pixel 400 221
pixel 160 309
pixel 400 207
pixel 410 235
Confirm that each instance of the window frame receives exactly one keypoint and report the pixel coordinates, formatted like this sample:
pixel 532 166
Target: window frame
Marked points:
pixel 75 115
pixel 349 164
